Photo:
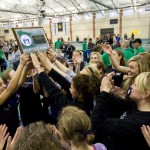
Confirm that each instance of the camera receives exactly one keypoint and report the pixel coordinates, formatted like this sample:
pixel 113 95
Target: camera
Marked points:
pixel 118 78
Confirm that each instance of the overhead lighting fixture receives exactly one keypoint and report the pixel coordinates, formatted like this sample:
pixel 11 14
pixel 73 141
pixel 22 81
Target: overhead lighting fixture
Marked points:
pixel 48 17
pixel 13 19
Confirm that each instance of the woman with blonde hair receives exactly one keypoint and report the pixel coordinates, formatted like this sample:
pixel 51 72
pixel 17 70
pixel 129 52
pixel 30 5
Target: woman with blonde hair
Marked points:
pixel 120 121
pixel 136 65
pixel 75 126
pixel 95 57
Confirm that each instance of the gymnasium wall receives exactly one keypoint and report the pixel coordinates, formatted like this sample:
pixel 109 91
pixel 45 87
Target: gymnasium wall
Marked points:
pixel 139 23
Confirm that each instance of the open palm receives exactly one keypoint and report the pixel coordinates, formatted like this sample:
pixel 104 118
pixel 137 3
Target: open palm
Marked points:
pixel 106 48
pixel 3 135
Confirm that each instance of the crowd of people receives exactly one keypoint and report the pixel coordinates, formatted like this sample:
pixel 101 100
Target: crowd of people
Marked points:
pixel 97 98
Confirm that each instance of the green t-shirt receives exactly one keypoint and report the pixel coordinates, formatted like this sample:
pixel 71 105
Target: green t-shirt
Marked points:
pixel 119 48
pixel 131 49
pixel 84 46
pixel 1 53
pixel 58 44
pixel 106 60
pixel 139 50
pixel 127 54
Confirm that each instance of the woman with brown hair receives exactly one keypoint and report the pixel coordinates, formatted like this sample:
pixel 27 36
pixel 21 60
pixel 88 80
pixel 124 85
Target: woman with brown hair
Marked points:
pixel 76 127
pixel 83 88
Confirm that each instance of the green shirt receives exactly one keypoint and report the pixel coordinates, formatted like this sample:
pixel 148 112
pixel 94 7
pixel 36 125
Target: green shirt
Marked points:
pixel 127 54
pixel 1 53
pixel 58 44
pixel 106 60
pixel 84 46
pixel 131 49
pixel 139 50
pixel 119 48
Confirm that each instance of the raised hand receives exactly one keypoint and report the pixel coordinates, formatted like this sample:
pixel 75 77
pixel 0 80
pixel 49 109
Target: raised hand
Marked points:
pixel 107 83
pixel 24 58
pixel 29 65
pixel 107 48
pixel 35 61
pixel 111 74
pixel 3 135
pixel 51 55
pixel 42 57
pixel 11 142
pixel 119 92
pixel 44 60
pixel 146 133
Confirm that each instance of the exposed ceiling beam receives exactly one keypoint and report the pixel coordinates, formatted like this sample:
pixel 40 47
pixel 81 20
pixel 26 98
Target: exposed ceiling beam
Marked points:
pixel 75 5
pixel 66 13
pixel 133 5
pixel 82 12
pixel 16 11
pixel 63 6
pixel 99 8
pixel 80 6
pixel 83 9
pixel 114 6
pixel 50 8
pixel 148 1
pixel 100 3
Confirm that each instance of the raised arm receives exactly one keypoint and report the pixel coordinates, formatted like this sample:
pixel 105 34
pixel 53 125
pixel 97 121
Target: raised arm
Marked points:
pixel 36 86
pixel 25 71
pixel 12 87
pixel 52 58
pixel 108 50
pixel 55 93
pixel 48 65
pixel 63 68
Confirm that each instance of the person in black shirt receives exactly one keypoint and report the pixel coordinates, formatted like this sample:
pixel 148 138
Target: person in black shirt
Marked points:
pixel 8 113
pixel 83 87
pixel 118 122
pixel 109 39
pixel 69 50
pixel 90 44
pixel 30 104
